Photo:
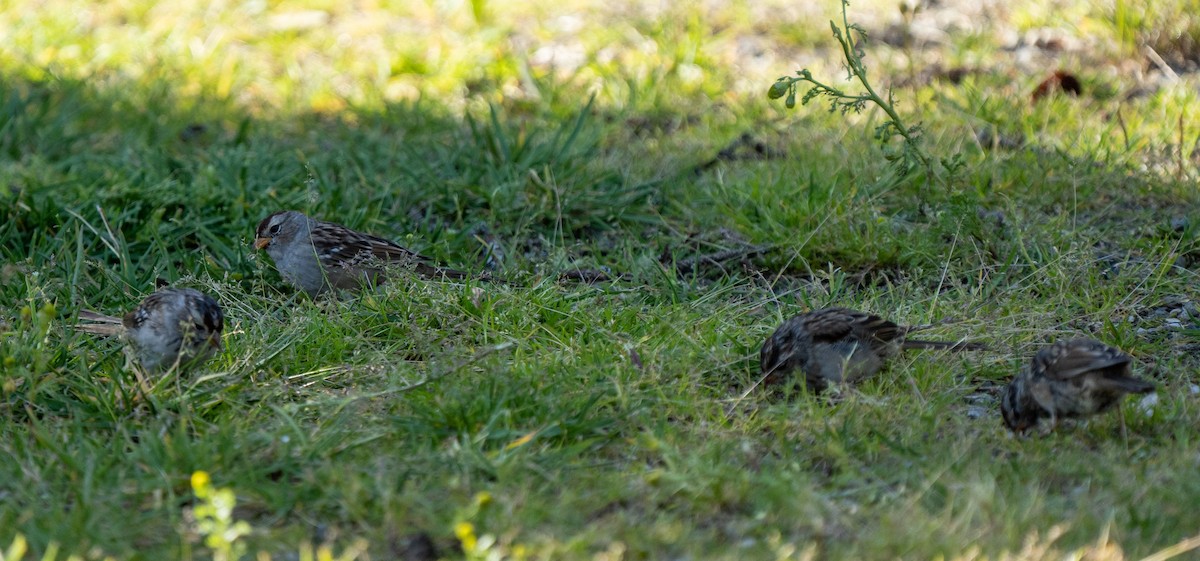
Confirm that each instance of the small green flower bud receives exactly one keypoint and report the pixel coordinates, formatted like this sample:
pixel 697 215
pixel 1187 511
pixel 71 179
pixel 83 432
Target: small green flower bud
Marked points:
pixel 777 90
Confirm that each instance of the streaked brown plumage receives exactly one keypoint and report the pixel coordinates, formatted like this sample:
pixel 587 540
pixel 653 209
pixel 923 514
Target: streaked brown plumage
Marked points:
pixel 171 326
pixel 838 345
pixel 316 256
pixel 1073 378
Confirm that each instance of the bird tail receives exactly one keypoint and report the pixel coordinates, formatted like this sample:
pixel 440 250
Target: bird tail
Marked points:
pixel 943 345
pixel 99 324
pixel 1127 384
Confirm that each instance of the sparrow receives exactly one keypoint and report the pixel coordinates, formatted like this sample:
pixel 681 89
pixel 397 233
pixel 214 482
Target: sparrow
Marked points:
pixel 838 345
pixel 173 326
pixel 317 256
pixel 1073 378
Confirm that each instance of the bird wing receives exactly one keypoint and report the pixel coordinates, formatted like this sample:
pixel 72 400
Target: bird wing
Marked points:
pixel 879 329
pixel 359 248
pixel 373 252
pixel 829 325
pixel 390 252
pixel 833 324
pixel 141 314
pixel 1068 359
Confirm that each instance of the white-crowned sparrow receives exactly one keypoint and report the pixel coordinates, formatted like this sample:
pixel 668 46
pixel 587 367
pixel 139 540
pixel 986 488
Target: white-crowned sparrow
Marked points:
pixel 173 326
pixel 836 345
pixel 1073 378
pixel 316 256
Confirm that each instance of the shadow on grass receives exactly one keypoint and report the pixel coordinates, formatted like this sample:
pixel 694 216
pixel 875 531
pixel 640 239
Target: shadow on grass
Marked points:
pixel 110 188
pixel 134 179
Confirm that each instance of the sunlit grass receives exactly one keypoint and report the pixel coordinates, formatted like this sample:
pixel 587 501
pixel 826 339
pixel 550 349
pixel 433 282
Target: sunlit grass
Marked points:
pixel 549 419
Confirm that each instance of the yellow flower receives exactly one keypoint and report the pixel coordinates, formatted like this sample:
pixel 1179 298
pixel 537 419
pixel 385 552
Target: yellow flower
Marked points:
pixel 200 483
pixel 466 534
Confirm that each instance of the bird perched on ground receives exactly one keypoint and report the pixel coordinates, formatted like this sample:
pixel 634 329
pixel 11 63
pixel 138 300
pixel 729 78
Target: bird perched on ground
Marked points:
pixel 836 345
pixel 1073 378
pixel 173 326
pixel 316 256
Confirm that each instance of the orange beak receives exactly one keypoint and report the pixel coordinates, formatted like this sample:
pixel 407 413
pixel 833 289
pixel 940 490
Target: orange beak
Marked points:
pixel 260 243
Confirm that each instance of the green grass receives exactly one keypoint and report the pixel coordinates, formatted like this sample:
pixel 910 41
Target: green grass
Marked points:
pixel 555 420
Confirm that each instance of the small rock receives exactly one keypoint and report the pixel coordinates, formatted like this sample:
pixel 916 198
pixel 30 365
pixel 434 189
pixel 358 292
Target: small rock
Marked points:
pixel 1146 404
pixel 1173 323
pixel 982 398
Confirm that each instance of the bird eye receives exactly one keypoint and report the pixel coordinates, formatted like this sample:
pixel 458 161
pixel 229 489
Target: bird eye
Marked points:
pixel 273 230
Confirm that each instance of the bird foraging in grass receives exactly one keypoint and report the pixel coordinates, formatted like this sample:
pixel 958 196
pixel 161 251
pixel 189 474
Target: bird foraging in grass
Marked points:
pixel 316 256
pixel 1072 378
pixel 838 345
pixel 173 326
